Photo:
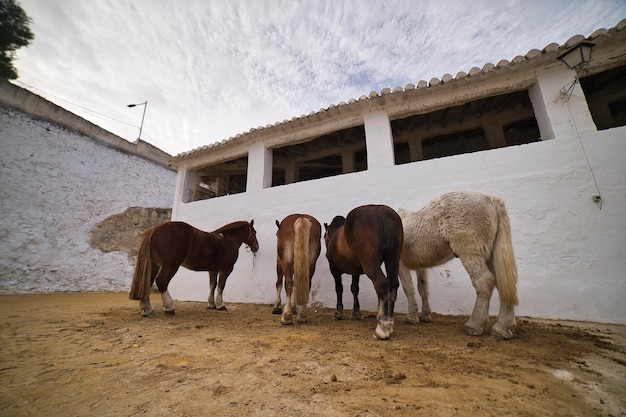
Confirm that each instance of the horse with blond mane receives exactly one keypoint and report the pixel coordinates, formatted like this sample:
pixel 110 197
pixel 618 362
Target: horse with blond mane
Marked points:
pixel 297 249
pixel 475 228
pixel 167 246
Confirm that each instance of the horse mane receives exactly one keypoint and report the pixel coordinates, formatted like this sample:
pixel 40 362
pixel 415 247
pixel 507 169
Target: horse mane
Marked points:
pixel 231 226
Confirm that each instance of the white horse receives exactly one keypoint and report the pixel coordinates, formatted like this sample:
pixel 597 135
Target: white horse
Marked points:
pixel 475 228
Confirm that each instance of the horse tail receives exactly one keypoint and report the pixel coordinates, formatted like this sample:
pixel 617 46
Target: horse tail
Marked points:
pixel 301 270
pixel 388 237
pixel 142 278
pixel 503 258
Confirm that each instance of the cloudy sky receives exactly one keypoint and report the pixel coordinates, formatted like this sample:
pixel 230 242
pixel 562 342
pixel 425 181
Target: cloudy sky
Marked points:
pixel 210 69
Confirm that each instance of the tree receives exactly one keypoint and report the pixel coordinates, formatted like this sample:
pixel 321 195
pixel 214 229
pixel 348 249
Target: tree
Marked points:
pixel 14 33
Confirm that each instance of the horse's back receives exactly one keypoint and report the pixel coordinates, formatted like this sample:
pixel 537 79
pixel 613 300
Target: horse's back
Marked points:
pixel 286 235
pixel 468 220
pixel 171 233
pixel 287 225
pixel 454 223
pixel 169 241
pixel 374 228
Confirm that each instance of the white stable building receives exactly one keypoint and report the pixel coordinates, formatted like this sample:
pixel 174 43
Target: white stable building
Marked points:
pixel 548 139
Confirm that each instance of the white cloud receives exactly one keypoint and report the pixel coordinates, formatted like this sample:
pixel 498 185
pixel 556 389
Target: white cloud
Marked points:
pixel 212 69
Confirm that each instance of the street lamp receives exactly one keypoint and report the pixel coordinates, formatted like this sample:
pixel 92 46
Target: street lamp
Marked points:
pixel 576 58
pixel 579 55
pixel 145 105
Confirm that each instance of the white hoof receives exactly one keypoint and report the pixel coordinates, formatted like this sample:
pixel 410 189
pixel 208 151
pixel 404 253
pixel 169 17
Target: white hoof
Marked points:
pixel 501 333
pixel 286 318
pixel 384 329
pixel 473 331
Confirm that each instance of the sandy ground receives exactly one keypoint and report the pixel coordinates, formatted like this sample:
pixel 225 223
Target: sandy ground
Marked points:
pixel 94 355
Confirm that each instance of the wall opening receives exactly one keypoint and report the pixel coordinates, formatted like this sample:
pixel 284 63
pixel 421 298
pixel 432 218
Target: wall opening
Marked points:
pixel 487 123
pixel 335 153
pixel 606 97
pixel 226 178
pixel 473 140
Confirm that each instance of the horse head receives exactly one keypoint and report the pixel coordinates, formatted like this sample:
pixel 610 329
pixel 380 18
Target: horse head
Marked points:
pixel 331 228
pixel 251 239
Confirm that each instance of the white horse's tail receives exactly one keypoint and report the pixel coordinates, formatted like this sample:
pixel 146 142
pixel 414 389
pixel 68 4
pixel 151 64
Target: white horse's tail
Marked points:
pixel 503 257
pixel 301 270
pixel 142 278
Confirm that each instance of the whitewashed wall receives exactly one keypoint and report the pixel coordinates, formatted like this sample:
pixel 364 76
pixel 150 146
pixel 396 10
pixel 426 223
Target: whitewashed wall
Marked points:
pixel 55 185
pixel 571 254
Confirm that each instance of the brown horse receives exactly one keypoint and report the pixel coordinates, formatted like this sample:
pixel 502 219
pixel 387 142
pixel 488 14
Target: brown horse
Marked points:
pixel 360 243
pixel 298 247
pixel 167 246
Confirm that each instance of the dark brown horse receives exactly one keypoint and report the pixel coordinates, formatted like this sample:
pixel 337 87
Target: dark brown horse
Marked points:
pixel 297 248
pixel 369 236
pixel 167 246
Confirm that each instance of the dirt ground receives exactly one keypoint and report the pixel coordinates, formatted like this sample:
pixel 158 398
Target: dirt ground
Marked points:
pixel 94 355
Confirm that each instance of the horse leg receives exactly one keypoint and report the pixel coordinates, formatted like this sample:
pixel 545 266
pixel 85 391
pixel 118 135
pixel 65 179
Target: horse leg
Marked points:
pixel 407 285
pixel 279 288
pixel 299 310
pixel 422 287
pixel 302 311
pixel 144 304
pixel 212 285
pixel 286 318
pixel 483 281
pixel 356 310
pixel 168 303
pixel 293 300
pixel 146 307
pixel 339 292
pixel 302 315
pixel 162 280
pixel 223 275
pixel 506 321
pixel 387 290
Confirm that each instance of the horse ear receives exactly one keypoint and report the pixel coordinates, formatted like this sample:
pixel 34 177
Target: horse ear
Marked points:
pixel 277 224
pixel 252 223
pixel 325 226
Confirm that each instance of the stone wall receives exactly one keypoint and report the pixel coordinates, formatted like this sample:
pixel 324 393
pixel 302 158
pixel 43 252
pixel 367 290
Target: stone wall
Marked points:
pixel 57 186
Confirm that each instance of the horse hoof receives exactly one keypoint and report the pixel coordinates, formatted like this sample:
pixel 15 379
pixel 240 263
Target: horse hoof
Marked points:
pixel 384 330
pixel 501 333
pixel 356 315
pixel 169 312
pixel 277 310
pixel 286 322
pixel 211 307
pixel 473 332
pixel 425 318
pixel 338 315
pixel 222 308
pixel 148 313
pixel 302 320
pixel 411 319
pixel 381 336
